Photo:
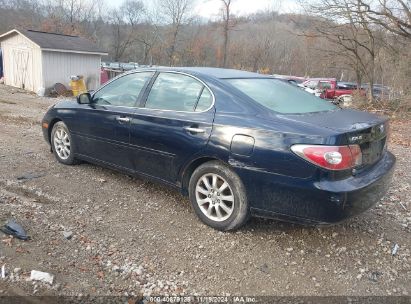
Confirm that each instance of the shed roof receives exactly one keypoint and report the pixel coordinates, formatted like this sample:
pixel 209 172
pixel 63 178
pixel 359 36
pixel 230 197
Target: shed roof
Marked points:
pixel 58 42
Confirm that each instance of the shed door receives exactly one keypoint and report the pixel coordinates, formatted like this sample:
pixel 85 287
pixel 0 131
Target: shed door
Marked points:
pixel 22 76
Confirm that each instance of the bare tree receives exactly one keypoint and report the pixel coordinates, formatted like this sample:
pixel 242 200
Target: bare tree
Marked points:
pixel 255 55
pixel 363 40
pixel 133 11
pixel 124 22
pixel 74 13
pixel 227 19
pixel 176 13
pixel 148 36
pixel 350 32
pixel 393 15
pixel 71 16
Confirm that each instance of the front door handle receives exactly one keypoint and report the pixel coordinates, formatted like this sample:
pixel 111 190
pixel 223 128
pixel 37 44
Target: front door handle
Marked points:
pixel 123 119
pixel 194 130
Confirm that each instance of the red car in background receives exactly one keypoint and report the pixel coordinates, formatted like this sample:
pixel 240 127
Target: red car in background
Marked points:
pixel 330 88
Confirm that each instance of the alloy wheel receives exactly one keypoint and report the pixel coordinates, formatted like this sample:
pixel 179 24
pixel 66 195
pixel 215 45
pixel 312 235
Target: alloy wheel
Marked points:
pixel 62 143
pixel 214 197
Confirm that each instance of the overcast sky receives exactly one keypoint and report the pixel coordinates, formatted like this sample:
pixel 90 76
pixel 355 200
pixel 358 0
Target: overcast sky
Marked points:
pixel 210 8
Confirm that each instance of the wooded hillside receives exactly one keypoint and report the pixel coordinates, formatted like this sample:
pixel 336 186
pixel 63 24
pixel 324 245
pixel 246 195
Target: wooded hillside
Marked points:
pixel 353 40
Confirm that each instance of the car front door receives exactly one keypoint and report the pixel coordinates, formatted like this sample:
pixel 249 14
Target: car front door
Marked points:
pixel 173 125
pixel 102 128
pixel 323 88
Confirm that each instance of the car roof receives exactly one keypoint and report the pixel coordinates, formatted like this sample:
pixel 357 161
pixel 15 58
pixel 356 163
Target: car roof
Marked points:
pixel 346 83
pixel 213 72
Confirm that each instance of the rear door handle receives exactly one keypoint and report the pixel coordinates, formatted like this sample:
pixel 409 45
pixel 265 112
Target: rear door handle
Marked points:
pixel 123 119
pixel 194 130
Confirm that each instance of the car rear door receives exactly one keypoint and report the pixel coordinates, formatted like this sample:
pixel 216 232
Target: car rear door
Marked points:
pixel 172 126
pixel 102 128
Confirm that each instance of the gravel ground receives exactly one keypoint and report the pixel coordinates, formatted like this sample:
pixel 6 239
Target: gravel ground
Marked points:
pixel 100 232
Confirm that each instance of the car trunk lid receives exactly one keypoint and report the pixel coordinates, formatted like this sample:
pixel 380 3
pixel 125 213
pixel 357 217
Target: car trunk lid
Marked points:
pixel 365 129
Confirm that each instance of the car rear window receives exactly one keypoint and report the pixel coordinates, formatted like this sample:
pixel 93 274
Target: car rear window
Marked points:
pixel 281 97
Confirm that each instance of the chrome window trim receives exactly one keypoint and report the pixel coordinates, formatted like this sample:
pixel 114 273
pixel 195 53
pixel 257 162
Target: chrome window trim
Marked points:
pixel 161 71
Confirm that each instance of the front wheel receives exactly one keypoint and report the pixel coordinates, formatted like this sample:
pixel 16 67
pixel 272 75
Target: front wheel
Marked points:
pixel 62 144
pixel 218 196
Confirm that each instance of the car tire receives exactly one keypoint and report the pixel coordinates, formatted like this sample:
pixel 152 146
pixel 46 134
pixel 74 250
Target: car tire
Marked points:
pixel 62 144
pixel 218 196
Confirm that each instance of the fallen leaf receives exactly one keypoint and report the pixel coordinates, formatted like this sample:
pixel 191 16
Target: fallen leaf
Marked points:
pixel 21 250
pixel 8 241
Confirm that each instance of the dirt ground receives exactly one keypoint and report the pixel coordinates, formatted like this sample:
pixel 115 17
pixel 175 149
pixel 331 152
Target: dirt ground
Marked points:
pixel 133 237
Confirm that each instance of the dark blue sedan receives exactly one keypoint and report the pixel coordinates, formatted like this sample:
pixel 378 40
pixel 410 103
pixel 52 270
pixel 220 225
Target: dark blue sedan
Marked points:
pixel 239 144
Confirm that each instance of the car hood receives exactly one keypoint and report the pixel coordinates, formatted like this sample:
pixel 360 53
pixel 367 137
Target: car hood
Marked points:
pixel 344 120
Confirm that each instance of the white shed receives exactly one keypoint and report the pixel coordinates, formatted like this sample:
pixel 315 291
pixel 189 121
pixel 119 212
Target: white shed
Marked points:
pixel 33 60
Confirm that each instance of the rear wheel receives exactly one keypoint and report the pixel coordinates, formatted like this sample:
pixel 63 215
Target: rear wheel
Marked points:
pixel 218 196
pixel 62 144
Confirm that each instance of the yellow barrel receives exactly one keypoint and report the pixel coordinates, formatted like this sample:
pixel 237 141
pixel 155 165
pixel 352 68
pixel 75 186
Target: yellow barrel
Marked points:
pixel 78 86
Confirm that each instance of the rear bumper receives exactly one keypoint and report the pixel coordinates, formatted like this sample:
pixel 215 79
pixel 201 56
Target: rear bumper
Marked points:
pixel 321 202
pixel 360 193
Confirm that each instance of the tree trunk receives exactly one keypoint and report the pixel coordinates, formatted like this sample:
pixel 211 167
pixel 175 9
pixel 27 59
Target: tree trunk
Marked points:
pixel 225 45
pixel 255 64
pixel 226 30
pixel 371 80
pixel 359 77
pixel 173 45
pixel 371 91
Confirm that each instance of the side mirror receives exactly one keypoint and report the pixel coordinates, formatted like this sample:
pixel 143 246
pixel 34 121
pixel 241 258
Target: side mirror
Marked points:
pixel 84 98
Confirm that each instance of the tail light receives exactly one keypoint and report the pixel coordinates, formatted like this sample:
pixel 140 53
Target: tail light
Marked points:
pixel 330 157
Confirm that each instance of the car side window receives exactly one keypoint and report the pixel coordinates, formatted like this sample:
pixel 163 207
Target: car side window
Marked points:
pixel 205 101
pixel 312 84
pixel 123 91
pixel 178 92
pixel 325 85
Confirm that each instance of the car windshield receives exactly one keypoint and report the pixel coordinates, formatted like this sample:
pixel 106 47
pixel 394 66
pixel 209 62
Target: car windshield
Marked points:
pixel 280 96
